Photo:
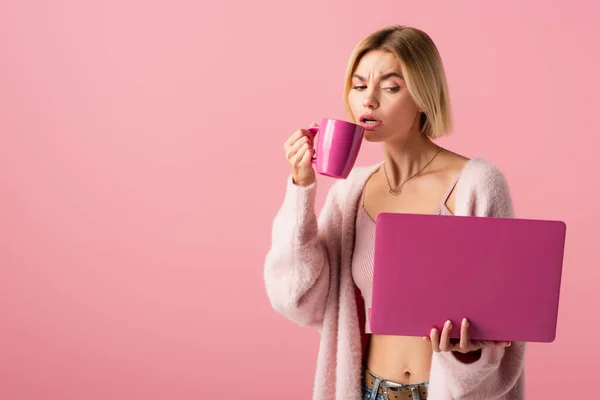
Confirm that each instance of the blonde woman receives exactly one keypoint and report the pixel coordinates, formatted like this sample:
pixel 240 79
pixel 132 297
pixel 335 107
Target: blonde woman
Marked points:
pixel 319 270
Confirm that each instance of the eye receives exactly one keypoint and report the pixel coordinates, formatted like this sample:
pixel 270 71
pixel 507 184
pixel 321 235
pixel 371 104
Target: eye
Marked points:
pixel 394 89
pixel 359 87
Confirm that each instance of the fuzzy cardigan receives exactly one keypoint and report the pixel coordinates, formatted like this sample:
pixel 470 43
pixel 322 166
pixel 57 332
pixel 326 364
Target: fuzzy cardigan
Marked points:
pixel 308 279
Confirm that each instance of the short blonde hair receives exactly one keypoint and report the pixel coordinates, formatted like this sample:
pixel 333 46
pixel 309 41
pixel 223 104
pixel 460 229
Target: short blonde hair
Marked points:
pixel 422 69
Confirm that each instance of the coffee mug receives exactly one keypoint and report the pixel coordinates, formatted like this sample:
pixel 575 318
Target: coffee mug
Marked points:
pixel 338 143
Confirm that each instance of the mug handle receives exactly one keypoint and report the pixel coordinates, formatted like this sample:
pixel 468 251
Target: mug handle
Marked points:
pixel 315 130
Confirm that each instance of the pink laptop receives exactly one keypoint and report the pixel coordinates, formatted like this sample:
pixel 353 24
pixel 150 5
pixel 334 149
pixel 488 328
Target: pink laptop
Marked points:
pixel 503 274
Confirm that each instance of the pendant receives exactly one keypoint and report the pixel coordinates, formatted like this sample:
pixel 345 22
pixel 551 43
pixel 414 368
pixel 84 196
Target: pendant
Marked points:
pixel 394 192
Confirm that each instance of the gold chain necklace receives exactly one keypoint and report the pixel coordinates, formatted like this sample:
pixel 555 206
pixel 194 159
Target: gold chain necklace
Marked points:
pixel 396 191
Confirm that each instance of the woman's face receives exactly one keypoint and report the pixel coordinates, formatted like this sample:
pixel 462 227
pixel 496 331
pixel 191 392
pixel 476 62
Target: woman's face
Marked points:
pixel 380 101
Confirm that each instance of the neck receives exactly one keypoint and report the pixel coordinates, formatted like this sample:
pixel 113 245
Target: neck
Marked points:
pixel 403 159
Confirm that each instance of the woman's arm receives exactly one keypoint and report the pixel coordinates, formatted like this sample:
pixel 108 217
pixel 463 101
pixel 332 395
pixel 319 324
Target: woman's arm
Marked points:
pixel 297 265
pixel 489 373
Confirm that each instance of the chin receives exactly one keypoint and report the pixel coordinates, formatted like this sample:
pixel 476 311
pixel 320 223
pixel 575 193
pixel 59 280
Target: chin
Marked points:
pixel 374 136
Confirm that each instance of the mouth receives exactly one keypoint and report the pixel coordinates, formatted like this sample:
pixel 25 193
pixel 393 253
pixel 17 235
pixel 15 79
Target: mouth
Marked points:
pixel 369 122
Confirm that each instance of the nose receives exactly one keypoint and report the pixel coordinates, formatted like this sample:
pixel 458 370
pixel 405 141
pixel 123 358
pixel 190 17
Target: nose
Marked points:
pixel 370 101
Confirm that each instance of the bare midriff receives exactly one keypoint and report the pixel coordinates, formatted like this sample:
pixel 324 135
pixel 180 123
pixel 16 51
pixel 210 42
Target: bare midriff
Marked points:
pixel 401 359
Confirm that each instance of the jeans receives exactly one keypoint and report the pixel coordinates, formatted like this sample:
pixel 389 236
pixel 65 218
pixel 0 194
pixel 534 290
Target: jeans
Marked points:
pixel 371 394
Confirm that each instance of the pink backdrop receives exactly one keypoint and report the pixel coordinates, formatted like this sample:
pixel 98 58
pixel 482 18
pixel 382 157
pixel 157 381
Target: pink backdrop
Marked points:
pixel 141 164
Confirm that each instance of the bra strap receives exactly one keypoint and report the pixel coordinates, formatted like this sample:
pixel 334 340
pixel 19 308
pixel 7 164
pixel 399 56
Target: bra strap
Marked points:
pixel 451 188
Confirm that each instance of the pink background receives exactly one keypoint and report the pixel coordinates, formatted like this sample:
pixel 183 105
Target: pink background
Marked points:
pixel 141 164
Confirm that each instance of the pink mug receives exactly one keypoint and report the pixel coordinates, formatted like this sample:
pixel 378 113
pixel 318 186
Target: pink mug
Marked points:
pixel 338 143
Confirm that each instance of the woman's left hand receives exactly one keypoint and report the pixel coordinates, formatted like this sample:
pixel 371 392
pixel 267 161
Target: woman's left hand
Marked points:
pixel 464 344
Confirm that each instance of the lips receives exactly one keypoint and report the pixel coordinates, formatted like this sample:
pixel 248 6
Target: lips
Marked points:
pixel 369 122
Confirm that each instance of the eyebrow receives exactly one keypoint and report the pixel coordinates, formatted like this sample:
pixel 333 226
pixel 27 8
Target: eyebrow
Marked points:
pixel 383 77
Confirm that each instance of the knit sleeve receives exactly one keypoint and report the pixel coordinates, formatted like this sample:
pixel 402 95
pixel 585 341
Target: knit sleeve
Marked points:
pixel 493 372
pixel 297 266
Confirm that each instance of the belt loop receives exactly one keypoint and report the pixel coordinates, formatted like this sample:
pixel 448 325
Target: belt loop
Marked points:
pixel 375 388
pixel 384 390
pixel 415 393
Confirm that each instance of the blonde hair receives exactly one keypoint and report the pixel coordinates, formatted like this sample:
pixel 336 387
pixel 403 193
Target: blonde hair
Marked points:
pixel 422 70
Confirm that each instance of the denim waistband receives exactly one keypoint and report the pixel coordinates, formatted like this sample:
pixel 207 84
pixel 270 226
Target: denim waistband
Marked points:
pixel 385 384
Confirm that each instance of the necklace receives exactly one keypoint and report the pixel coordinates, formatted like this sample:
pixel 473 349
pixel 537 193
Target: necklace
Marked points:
pixel 396 191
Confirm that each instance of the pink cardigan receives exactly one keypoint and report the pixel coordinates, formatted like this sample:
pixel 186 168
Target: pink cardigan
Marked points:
pixel 309 281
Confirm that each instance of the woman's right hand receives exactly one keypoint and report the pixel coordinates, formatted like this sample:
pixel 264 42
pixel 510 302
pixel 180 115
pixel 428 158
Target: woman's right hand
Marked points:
pixel 299 151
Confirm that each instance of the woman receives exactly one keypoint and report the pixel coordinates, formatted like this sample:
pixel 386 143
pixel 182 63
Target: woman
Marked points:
pixel 319 271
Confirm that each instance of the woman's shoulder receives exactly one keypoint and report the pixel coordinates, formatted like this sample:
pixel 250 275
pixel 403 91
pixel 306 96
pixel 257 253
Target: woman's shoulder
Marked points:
pixel 349 189
pixel 481 173
pixel 360 174
pixel 483 190
pixel 357 178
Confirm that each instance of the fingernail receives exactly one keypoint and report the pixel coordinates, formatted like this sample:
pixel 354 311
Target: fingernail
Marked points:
pixel 508 344
pixel 465 322
pixel 448 323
